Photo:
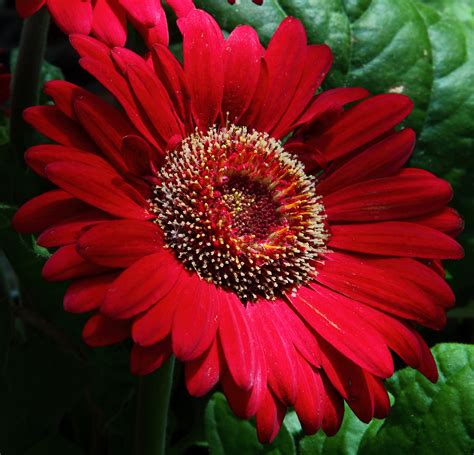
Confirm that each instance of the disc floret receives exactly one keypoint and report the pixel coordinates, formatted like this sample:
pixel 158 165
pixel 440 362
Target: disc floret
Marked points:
pixel 241 212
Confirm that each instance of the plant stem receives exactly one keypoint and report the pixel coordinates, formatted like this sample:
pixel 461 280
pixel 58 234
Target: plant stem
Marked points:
pixel 26 79
pixel 154 393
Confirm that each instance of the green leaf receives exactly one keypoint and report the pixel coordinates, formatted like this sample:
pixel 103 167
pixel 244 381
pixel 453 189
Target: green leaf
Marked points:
pixel 228 435
pixel 431 418
pixel 425 419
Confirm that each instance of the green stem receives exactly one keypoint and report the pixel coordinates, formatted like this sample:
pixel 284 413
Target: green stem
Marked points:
pixel 154 393
pixel 26 79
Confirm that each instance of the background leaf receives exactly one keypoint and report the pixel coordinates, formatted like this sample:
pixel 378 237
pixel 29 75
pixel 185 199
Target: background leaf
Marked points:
pixel 228 435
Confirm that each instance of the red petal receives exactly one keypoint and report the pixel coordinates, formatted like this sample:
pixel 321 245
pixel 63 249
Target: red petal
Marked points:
pixel 52 123
pixel 46 210
pixel 334 318
pixel 100 188
pixel 170 72
pixel 106 126
pixel 317 62
pixel 242 55
pixel 269 418
pixel 398 336
pixel 141 285
pixel 39 156
pixel 138 155
pixel 410 290
pixel 279 353
pixel 237 340
pixel 87 294
pixel 328 100
pixel 110 22
pixel 447 220
pixel 146 360
pixel 203 45
pixel 203 373
pixel 383 159
pixel 68 231
pixel 195 321
pixel 395 239
pixel 333 409
pixel 309 404
pixel 150 94
pixel 402 196
pixel 101 331
pixel 181 7
pixel 149 18
pixel 64 95
pixel 72 16
pixel 66 264
pixel 363 123
pixel 285 58
pixel 27 8
pixel 350 381
pixel 303 339
pixel 120 243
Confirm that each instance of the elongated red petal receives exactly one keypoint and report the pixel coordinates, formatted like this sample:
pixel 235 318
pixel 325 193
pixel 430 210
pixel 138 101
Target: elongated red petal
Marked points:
pixel 120 243
pixel 101 331
pixel 334 318
pixel 237 340
pixel 39 156
pixel 363 123
pixel 203 373
pixel 52 123
pixel 68 231
pixel 72 16
pixel 309 404
pixel 317 62
pixel 27 8
pixel 390 198
pixel 242 59
pixel 269 418
pixel 383 159
pixel 66 264
pixel 87 294
pixel 110 22
pixel 100 188
pixel 410 289
pixel 395 238
pixel 284 58
pixel 145 360
pixel 203 46
pixel 45 210
pixel 195 321
pixel 279 352
pixel 141 285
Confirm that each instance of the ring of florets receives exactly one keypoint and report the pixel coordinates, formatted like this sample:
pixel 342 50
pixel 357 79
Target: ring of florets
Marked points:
pixel 241 212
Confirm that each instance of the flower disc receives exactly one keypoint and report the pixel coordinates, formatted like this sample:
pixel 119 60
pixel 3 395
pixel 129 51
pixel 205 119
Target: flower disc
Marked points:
pixel 241 212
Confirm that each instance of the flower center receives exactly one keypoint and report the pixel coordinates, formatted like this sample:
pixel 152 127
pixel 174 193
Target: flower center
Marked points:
pixel 240 211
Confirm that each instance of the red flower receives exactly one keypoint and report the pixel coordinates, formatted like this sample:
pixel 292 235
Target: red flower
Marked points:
pixel 107 19
pixel 188 223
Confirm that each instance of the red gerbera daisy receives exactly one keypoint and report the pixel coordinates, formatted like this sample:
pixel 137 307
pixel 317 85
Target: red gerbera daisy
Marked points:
pixel 107 19
pixel 285 269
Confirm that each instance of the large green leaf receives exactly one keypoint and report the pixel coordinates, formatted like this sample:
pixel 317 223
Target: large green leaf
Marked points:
pixel 425 419
pixel 228 435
